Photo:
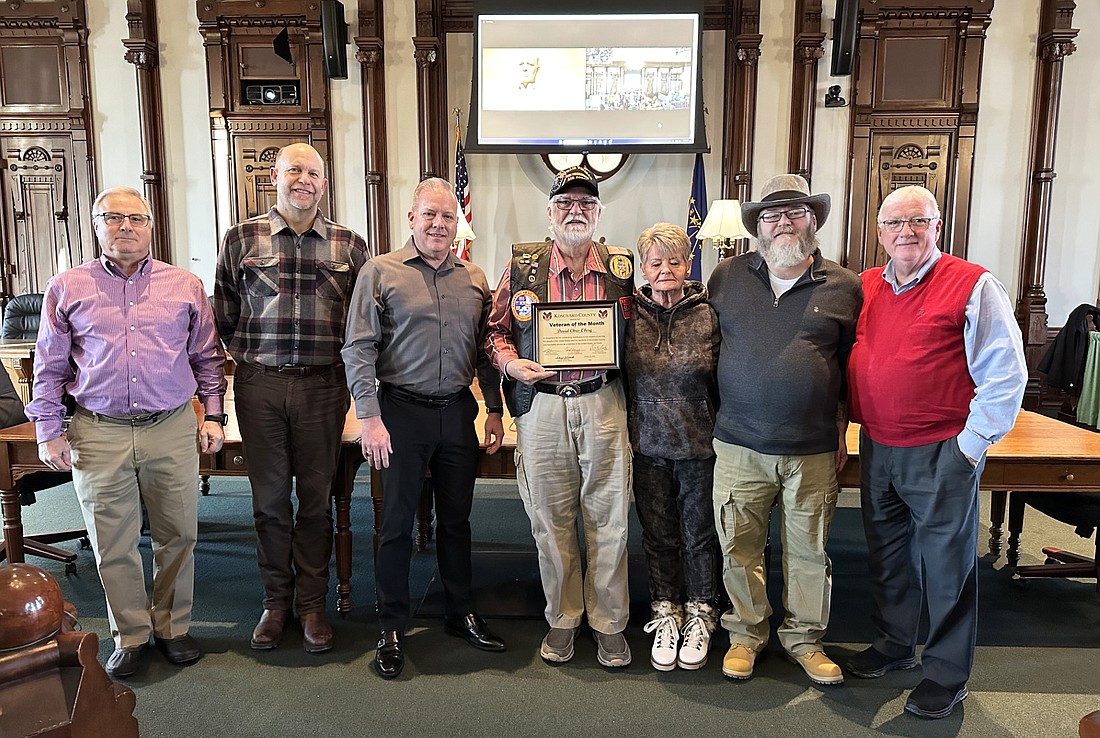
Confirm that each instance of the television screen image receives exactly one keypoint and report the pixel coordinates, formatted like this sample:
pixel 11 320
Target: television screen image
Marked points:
pixel 586 82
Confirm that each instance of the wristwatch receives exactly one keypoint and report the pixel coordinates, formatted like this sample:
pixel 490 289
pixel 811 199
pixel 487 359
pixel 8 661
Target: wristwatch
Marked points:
pixel 222 419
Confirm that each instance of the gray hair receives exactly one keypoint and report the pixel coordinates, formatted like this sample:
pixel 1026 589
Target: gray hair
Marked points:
pixel 432 184
pixel 910 191
pixel 668 237
pixel 129 191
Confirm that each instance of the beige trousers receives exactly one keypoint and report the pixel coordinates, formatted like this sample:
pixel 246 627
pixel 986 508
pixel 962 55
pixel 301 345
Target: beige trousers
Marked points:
pixel 804 488
pixel 573 458
pixel 115 468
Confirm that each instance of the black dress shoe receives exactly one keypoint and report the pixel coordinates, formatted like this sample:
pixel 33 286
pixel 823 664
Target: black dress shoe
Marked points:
pixel 388 659
pixel 125 661
pixel 473 630
pixel 181 650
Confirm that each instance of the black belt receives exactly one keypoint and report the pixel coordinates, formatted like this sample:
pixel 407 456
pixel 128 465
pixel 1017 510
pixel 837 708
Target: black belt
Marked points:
pixel 132 420
pixel 432 401
pixel 296 370
pixel 574 389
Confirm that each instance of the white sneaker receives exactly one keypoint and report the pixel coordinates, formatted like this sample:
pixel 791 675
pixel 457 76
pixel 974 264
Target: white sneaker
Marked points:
pixel 696 644
pixel 663 654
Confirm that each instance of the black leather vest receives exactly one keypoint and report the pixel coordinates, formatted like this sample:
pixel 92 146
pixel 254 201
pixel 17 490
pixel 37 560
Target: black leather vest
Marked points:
pixel 530 273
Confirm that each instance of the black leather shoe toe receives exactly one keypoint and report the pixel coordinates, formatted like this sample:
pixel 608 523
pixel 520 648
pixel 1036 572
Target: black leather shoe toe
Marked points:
pixel 388 658
pixel 472 629
pixel 125 661
pixel 181 650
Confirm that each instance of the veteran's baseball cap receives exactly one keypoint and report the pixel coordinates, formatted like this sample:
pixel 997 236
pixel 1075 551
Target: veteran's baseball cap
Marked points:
pixel 575 177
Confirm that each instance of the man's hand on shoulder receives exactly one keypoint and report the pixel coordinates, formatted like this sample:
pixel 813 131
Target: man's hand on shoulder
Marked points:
pixel 56 454
pixel 526 371
pixel 211 437
pixel 375 442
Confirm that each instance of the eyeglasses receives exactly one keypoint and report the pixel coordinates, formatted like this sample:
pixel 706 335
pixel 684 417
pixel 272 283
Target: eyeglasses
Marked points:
pixel 774 216
pixel 137 220
pixel 894 225
pixel 567 203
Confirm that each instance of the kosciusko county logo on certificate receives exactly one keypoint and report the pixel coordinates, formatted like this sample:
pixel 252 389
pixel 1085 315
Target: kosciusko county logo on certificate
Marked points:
pixel 577 335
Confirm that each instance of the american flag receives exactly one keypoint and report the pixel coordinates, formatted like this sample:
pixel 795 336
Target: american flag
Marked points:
pixel 461 246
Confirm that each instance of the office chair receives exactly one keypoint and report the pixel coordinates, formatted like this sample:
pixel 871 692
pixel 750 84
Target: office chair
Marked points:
pixel 21 318
pixel 1081 510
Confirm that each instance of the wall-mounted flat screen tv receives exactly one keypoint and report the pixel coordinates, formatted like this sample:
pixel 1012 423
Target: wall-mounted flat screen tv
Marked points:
pixel 587 78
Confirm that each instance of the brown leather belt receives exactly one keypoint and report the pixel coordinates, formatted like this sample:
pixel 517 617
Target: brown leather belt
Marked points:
pixel 296 370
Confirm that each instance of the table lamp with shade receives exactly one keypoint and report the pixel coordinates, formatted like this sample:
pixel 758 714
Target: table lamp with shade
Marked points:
pixel 723 226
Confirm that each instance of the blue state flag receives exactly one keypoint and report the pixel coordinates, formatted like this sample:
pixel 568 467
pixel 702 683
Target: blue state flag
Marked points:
pixel 697 213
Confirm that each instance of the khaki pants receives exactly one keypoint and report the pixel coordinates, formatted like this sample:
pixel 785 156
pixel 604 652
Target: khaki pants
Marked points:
pixel 746 484
pixel 115 469
pixel 573 457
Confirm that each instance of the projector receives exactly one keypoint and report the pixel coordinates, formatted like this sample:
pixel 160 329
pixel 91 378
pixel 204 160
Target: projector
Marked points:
pixel 271 94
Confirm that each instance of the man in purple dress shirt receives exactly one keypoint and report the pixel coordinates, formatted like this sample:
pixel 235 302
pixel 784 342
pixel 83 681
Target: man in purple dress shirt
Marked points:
pixel 132 340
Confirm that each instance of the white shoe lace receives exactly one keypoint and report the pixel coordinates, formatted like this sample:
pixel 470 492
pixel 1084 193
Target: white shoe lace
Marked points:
pixel 695 634
pixel 667 636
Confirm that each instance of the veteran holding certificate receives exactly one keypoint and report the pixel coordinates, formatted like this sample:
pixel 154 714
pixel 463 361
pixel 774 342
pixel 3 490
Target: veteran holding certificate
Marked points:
pixel 572 447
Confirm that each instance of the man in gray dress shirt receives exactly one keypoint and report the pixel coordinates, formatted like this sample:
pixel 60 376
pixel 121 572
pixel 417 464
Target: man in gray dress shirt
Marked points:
pixel 416 325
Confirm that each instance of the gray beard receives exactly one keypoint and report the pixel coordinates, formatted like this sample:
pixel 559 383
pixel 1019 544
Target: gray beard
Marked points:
pixel 572 237
pixel 787 255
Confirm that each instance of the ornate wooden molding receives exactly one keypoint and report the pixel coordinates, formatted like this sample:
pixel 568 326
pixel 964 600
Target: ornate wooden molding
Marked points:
pixel 808 48
pixel 370 45
pixel 1055 42
pixel 742 55
pixel 429 52
pixel 270 126
pixel 141 51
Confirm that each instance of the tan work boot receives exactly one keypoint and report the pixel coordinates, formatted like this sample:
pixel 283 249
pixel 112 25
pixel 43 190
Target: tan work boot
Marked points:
pixel 819 667
pixel 739 661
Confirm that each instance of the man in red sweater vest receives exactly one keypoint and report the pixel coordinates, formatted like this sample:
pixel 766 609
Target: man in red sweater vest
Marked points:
pixel 936 376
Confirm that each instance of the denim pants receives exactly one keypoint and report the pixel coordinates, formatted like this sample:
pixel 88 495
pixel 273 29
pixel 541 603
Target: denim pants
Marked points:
pixel 673 499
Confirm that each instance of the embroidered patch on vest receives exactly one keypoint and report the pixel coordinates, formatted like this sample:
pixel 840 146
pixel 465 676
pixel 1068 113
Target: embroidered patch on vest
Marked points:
pixel 620 266
pixel 522 305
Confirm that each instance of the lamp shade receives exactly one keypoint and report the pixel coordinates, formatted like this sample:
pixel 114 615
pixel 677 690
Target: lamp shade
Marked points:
pixel 723 222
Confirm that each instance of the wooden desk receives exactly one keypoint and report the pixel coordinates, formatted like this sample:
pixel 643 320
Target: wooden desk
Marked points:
pixel 19 457
pixel 17 356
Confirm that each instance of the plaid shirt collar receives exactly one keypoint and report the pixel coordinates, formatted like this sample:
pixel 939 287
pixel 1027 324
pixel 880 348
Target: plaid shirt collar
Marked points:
pixel 319 225
pixel 591 262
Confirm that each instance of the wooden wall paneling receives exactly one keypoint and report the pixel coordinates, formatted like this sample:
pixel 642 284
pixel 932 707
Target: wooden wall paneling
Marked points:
pixel 914 115
pixel 143 52
pixel 1055 42
pixel 429 52
pixel 809 47
pixel 48 155
pixel 241 66
pixel 742 57
pixel 370 45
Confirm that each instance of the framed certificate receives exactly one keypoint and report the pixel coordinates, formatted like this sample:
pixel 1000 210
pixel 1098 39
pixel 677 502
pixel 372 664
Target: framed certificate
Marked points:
pixel 577 335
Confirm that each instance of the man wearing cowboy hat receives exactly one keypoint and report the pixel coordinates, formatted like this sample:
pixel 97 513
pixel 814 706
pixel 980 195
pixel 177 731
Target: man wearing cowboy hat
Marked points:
pixel 788 318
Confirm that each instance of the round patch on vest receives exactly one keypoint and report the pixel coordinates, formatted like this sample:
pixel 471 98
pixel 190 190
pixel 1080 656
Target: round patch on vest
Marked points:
pixel 620 266
pixel 523 305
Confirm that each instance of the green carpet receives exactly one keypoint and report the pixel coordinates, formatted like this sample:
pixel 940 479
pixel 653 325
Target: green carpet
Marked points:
pixel 1037 670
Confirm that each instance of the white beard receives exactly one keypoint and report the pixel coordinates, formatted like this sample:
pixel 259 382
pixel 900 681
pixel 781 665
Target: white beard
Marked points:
pixel 572 236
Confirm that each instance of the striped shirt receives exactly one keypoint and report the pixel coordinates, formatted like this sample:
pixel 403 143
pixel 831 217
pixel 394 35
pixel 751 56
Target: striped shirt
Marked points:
pixel 124 345
pixel 282 298
pixel 561 287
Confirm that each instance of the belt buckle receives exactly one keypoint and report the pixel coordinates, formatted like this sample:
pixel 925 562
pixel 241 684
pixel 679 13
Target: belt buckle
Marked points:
pixel 569 389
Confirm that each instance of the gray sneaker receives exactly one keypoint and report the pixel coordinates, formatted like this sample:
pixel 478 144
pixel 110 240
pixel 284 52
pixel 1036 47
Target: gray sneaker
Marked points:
pixel 557 646
pixel 612 649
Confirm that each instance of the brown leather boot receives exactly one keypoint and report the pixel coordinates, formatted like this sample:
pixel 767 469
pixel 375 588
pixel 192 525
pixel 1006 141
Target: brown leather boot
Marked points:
pixel 316 632
pixel 269 630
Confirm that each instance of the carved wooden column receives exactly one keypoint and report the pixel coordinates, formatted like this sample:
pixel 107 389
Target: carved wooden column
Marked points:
pixel 369 46
pixel 431 75
pixel 142 52
pixel 808 48
pixel 1055 42
pixel 742 55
